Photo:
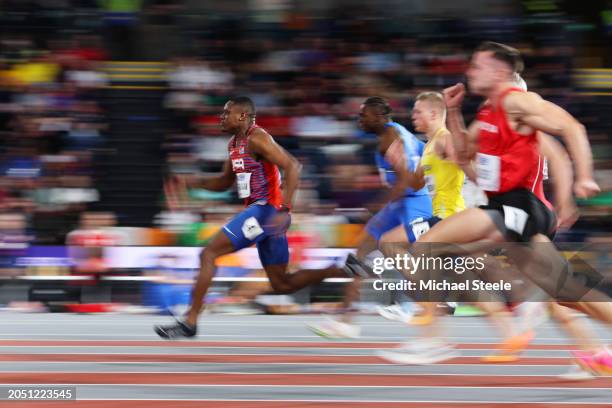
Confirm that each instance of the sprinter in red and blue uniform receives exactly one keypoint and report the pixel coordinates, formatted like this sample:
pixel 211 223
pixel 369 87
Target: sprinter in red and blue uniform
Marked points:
pixel 255 163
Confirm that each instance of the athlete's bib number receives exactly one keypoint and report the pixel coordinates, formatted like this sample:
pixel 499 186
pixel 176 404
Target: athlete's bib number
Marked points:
pixel 243 181
pixel 430 184
pixel 419 228
pixel 515 219
pixel 488 170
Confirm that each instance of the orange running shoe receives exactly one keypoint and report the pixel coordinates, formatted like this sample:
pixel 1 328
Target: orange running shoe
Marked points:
pixel 511 349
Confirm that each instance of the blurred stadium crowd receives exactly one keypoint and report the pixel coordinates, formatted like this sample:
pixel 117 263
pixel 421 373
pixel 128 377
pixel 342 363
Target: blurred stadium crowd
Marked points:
pixel 67 113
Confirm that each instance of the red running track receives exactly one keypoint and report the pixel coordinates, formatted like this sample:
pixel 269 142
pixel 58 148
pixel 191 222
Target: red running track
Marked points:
pixel 363 380
pixel 163 376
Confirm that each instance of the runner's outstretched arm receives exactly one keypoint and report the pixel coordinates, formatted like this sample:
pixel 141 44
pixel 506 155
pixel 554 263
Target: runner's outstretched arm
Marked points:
pixel 562 178
pixel 529 108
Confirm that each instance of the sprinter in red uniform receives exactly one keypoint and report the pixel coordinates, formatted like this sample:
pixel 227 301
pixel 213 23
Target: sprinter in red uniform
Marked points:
pixel 503 142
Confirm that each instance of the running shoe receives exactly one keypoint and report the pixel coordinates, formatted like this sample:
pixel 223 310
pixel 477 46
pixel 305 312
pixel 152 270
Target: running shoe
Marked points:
pixel 597 363
pixel 604 360
pixel 407 354
pixel 176 331
pixel 423 320
pixel 334 329
pixel 421 345
pixel 395 313
pixel 576 373
pixel 358 269
pixel 585 360
pixel 511 349
pixel 462 310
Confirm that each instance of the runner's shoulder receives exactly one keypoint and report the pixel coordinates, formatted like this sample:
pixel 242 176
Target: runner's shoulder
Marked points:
pixel 521 101
pixel 389 136
pixel 259 137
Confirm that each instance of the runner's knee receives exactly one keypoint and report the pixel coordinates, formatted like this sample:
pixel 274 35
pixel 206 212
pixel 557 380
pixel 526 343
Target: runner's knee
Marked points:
pixel 208 255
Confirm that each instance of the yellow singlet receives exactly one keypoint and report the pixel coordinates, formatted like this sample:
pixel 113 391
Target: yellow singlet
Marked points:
pixel 444 180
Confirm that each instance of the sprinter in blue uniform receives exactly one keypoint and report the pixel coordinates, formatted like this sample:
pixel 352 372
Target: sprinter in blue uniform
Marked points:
pixel 409 204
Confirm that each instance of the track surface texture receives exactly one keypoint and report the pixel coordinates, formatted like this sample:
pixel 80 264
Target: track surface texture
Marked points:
pixel 275 361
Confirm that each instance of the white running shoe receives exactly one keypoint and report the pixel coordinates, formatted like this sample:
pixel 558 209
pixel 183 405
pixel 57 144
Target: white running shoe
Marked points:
pixel 421 356
pixel 422 345
pixel 576 373
pixel 334 329
pixel 395 313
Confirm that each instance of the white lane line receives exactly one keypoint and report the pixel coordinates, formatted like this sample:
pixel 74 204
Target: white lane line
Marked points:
pixel 288 349
pixel 51 322
pixel 362 374
pixel 173 343
pixel 124 337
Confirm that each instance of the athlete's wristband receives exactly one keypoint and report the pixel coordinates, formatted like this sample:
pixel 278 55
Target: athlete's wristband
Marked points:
pixel 285 208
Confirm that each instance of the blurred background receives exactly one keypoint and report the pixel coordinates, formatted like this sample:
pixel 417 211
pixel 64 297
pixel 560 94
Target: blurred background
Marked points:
pixel 101 100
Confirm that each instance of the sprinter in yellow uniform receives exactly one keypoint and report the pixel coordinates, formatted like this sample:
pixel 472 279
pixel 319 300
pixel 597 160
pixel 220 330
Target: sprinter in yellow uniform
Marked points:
pixel 443 176
pixel 444 180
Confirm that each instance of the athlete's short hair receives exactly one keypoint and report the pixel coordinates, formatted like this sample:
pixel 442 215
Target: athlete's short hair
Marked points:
pixel 379 103
pixel 245 102
pixel 434 98
pixel 502 52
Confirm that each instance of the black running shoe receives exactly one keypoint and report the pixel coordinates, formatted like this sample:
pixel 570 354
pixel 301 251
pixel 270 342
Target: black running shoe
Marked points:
pixel 176 331
pixel 355 268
